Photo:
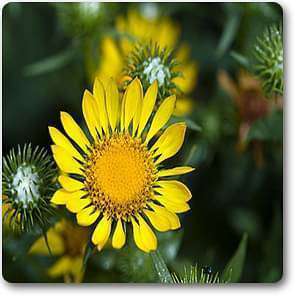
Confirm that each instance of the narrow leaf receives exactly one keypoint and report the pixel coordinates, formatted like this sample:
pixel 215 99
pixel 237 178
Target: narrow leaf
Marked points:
pixel 47 242
pixel 49 64
pixel 234 268
pixel 87 253
pixel 242 60
pixel 228 34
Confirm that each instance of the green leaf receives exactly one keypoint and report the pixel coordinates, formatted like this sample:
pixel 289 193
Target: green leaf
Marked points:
pixel 241 59
pixel 161 267
pixel 49 64
pixel 228 34
pixel 87 253
pixel 189 123
pixel 267 129
pixel 169 243
pixel 193 125
pixel 234 268
pixel 47 241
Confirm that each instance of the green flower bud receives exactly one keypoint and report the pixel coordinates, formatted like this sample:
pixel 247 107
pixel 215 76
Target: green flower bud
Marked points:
pixel 269 60
pixel 150 63
pixel 28 182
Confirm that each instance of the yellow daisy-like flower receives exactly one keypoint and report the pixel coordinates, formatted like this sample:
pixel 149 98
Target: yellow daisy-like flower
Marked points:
pixel 115 177
pixel 162 31
pixel 66 241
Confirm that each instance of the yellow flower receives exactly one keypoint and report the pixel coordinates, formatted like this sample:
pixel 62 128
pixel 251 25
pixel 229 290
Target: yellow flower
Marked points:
pixel 141 29
pixel 118 175
pixel 67 241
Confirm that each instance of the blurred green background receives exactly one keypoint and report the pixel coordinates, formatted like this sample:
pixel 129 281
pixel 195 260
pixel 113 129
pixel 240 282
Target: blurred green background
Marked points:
pixel 235 188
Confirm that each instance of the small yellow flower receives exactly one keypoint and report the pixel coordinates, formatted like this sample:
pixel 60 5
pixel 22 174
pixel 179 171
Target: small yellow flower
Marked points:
pixel 144 30
pixel 67 241
pixel 117 177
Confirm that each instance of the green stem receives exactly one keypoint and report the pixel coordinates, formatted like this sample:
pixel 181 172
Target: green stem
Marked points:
pixel 161 267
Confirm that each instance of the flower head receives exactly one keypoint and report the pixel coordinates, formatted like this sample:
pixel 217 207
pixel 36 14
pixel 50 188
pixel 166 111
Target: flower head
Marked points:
pixel 83 18
pixel 249 98
pixel 67 242
pixel 28 181
pixel 115 177
pixel 252 105
pixel 150 63
pixel 142 29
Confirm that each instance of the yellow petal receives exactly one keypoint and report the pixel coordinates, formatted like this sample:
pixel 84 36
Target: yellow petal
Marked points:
pixel 169 142
pixel 102 232
pixel 75 203
pixel 112 59
pixel 136 119
pixel 61 267
pixel 74 131
pixel 183 107
pixel 148 105
pixel 90 113
pixel 122 112
pixel 137 236
pixel 174 171
pixel 59 139
pixel 172 217
pixel 59 197
pixel 119 237
pixel 187 83
pixel 132 99
pixel 64 161
pixel 176 207
pixel 87 216
pixel 112 104
pixel 174 190
pixel 69 183
pixel 99 94
pixel 77 270
pixel 147 236
pixel 55 242
pixel 162 116
pixel 159 222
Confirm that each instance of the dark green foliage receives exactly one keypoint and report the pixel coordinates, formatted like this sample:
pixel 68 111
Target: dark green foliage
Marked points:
pixel 232 272
pixel 268 129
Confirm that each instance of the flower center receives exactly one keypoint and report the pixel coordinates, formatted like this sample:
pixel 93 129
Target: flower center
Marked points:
pixel 119 176
pixel 154 69
pixel 25 185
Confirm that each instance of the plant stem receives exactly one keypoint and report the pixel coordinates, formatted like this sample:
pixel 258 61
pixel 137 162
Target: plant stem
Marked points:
pixel 161 267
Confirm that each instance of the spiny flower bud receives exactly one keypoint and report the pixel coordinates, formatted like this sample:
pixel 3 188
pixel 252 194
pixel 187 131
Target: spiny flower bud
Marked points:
pixel 196 275
pixel 27 183
pixel 269 60
pixel 79 19
pixel 150 63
